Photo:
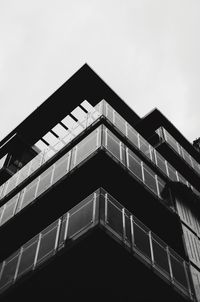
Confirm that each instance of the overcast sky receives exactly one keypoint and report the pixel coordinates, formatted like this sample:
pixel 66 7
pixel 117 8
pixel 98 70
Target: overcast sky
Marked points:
pixel 147 51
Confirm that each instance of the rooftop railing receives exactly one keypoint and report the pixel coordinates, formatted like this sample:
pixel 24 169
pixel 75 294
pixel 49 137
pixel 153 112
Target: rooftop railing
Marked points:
pixel 99 208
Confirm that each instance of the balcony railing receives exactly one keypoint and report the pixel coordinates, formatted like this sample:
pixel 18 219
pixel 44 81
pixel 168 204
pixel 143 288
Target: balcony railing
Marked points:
pixel 164 135
pixel 101 109
pixel 101 137
pixel 99 208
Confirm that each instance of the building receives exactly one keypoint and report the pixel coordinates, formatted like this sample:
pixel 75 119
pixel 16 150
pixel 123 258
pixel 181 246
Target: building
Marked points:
pixel 97 203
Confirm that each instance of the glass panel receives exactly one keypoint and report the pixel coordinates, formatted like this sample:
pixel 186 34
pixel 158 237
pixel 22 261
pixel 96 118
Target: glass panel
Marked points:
pixel 150 180
pixel 12 182
pixel 9 270
pixel 113 144
pixel 134 165
pixel 178 271
pixel 160 161
pixel 109 112
pixel 141 240
pixel 36 162
pixel 9 209
pixel 24 173
pixel 171 141
pixel 2 161
pixel 48 241
pixel 61 167
pixel 120 122
pixel 63 230
pixel 28 257
pixel 133 136
pixel 172 172
pixel 87 146
pixel 45 180
pixel 80 219
pixel 29 194
pixel 114 218
pixel 144 147
pixel 160 256
pixel 196 281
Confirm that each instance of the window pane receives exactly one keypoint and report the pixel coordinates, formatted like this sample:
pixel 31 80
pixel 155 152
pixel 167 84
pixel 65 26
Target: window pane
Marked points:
pixel 114 218
pixel 80 219
pixel 160 256
pixel 134 165
pixel 9 270
pixel 61 167
pixel 45 181
pixel 141 240
pixel 47 243
pixel 27 257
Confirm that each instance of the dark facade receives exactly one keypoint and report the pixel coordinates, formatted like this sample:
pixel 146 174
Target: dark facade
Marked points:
pixel 97 203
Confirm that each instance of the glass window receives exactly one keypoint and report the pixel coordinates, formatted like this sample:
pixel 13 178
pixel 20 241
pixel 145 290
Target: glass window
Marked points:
pixel 134 165
pixel 9 209
pixel 61 167
pixel 114 218
pixel 28 256
pixel 141 240
pixel 45 181
pixel 9 270
pixel 80 219
pixel 160 256
pixel 47 244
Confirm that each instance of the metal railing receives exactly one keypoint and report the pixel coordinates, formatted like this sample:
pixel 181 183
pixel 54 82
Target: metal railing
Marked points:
pixel 98 208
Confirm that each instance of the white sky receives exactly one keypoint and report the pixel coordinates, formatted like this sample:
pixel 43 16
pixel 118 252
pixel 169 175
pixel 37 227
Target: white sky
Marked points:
pixel 147 51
